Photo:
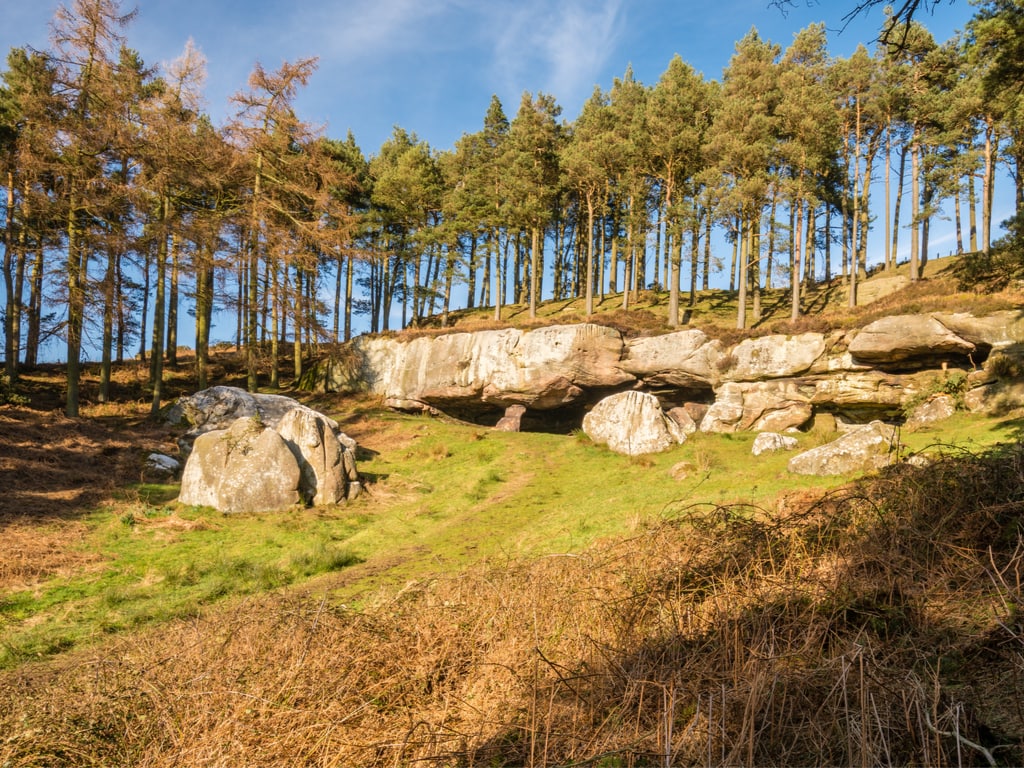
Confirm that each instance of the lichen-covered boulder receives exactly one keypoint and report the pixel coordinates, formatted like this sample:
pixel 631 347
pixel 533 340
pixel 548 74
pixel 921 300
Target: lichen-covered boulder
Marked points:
pixel 632 423
pixel 771 442
pixel 327 468
pixel 247 467
pixel 324 454
pixel 936 408
pixel 869 447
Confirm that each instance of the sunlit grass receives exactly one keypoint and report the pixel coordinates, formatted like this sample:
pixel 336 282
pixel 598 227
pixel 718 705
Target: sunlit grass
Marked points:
pixel 441 496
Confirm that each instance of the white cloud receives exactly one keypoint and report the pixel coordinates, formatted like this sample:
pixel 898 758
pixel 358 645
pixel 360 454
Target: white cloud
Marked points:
pixel 559 48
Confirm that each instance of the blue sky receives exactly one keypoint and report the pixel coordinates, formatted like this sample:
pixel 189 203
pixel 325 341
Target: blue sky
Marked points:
pixel 431 66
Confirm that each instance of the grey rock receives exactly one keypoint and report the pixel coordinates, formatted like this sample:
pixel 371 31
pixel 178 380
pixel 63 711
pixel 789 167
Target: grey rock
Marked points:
pixel 771 442
pixel 159 467
pixel 869 447
pixel 247 467
pixel 936 408
pixel 632 423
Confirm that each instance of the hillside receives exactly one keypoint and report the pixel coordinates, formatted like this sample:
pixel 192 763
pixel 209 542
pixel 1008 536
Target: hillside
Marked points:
pixel 513 598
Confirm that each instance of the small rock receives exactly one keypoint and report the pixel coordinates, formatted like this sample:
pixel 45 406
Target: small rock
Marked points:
pixel 160 467
pixel 770 442
pixel 682 470
pixel 512 420
pixel 684 419
pixel 937 408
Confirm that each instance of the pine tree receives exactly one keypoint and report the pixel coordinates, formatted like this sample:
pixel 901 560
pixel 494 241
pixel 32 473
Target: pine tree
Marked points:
pixel 86 40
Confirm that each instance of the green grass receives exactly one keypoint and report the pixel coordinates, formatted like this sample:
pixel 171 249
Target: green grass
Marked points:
pixel 443 496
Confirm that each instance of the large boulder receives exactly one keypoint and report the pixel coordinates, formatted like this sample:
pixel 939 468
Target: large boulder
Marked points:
pixel 324 455
pixel 903 338
pixel 247 467
pixel 632 423
pixel 218 407
pixel 773 406
pixel 869 447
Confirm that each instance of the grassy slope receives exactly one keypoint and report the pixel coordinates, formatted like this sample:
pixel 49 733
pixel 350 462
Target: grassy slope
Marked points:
pixel 442 498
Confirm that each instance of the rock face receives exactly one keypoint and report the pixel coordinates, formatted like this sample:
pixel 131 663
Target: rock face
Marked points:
pixel 235 462
pixel 542 369
pixel 680 359
pixel 775 357
pixel 896 340
pixel 632 423
pixel 771 405
pixel 247 467
pixel 773 383
pixel 863 449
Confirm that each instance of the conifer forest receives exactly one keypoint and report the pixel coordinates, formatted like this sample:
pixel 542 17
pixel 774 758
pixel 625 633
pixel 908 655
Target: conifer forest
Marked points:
pixel 129 217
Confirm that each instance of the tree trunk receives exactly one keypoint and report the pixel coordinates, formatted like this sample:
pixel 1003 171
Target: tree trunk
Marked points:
pixel 108 326
pixel 35 307
pixel 797 212
pixel 741 274
pixel 77 261
pixel 896 208
pixel 12 300
pixel 915 200
pixel 172 307
pixel 159 309
pixel 534 269
pixel 589 280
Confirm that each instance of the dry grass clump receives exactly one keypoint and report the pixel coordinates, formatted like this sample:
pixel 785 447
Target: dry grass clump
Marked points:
pixel 877 625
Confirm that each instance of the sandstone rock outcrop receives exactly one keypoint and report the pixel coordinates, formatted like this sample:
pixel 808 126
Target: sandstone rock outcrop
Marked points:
pixel 868 447
pixel 541 369
pixel 774 382
pixel 897 340
pixel 632 423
